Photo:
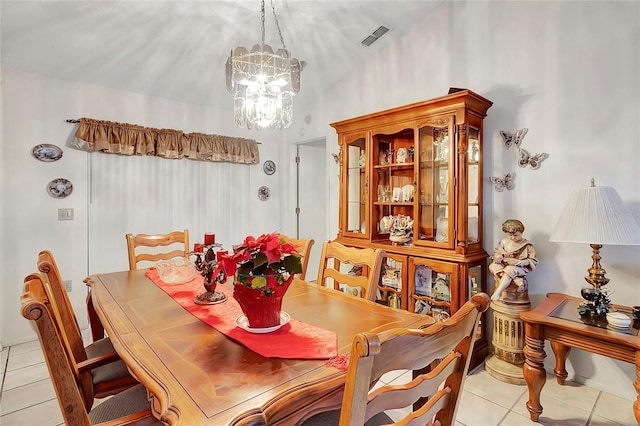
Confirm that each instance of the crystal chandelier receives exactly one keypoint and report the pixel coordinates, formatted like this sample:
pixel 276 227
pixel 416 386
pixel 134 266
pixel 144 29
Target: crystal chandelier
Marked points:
pixel 263 83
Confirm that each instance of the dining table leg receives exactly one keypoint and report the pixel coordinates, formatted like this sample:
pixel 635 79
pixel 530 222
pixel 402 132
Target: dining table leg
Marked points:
pixel 97 329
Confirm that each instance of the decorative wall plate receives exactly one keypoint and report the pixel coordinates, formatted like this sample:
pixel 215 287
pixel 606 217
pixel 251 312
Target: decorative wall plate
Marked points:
pixel 269 167
pixel 60 188
pixel 263 193
pixel 46 152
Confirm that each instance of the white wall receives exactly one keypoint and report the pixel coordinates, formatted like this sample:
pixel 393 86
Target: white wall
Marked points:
pixel 568 71
pixel 1 204
pixel 142 195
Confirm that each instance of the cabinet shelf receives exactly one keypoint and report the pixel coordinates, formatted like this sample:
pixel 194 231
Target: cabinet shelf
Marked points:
pixel 392 203
pixel 394 166
pixel 437 204
pixel 436 163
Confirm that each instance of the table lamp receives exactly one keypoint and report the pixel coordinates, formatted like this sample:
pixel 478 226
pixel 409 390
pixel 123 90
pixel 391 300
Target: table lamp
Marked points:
pixel 596 216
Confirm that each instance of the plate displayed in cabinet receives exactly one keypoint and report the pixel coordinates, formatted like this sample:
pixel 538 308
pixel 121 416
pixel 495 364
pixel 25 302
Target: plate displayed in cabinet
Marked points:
pixel 385 224
pixel 60 188
pixel 46 152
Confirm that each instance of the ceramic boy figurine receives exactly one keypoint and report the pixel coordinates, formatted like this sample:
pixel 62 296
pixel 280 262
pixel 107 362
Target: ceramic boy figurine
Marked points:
pixel 512 260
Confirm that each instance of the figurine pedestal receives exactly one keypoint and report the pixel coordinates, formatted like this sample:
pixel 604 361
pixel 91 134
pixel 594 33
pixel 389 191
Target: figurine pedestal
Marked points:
pixel 507 342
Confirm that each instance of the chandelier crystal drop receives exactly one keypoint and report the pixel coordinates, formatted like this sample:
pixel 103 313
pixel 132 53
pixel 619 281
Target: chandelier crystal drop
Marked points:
pixel 263 83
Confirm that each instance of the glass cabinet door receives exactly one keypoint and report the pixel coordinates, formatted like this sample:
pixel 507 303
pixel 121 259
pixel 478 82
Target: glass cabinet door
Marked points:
pixel 356 184
pixel 430 287
pixel 435 186
pixel 475 284
pixel 392 288
pixel 393 184
pixel 474 185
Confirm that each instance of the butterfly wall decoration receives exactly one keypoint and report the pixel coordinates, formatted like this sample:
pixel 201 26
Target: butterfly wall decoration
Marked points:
pixel 514 138
pixel 533 161
pixel 506 181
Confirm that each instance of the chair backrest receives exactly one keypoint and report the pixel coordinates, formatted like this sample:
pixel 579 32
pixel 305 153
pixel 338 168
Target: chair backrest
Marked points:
pixel 445 347
pixel 177 244
pixel 357 268
pixel 37 307
pixel 66 321
pixel 304 248
pixel 58 294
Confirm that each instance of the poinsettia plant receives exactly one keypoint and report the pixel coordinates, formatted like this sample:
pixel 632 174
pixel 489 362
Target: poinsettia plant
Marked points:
pixel 262 262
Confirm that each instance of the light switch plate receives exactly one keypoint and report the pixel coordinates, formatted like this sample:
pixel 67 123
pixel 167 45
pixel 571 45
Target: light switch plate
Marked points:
pixel 65 214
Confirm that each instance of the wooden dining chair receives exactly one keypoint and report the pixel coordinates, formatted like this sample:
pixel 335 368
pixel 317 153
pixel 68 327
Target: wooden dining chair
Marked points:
pixel 304 249
pixel 156 247
pixel 439 355
pixel 128 407
pixel 357 268
pixel 97 365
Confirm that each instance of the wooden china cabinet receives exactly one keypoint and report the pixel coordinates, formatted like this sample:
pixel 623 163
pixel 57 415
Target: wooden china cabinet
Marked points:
pixel 423 161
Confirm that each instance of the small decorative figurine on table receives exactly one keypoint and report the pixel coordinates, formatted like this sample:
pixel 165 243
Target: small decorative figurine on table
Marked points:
pixel 362 160
pixel 211 296
pixel 514 257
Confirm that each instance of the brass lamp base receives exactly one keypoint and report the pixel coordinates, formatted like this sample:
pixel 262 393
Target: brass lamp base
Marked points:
pixel 596 273
pixel 597 301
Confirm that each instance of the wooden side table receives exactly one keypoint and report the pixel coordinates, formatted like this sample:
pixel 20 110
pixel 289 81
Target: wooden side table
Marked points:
pixel 558 321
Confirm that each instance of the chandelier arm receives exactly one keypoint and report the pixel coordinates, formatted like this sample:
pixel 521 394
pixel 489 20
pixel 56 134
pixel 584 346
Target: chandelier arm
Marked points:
pixel 262 18
pixel 277 25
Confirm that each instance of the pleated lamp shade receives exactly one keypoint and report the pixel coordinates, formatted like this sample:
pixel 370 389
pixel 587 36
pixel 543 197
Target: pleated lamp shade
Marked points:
pixel 596 215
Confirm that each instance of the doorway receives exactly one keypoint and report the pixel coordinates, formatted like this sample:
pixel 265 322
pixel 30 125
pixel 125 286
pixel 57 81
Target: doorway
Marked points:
pixel 311 198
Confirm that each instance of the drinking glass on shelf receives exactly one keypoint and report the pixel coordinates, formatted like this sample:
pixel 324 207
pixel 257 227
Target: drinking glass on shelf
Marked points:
pixel 386 193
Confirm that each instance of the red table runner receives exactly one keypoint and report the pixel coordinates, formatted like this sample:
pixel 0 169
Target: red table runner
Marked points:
pixel 296 339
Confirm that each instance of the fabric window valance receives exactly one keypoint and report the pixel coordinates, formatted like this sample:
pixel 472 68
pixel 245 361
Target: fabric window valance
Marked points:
pixel 130 139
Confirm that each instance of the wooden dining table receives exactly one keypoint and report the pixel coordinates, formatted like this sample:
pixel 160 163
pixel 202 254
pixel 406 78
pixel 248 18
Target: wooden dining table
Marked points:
pixel 196 375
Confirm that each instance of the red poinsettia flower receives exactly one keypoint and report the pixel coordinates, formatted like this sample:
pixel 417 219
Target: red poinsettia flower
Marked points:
pixel 265 256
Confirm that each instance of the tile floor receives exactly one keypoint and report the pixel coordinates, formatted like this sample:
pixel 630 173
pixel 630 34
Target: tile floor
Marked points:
pixel 27 398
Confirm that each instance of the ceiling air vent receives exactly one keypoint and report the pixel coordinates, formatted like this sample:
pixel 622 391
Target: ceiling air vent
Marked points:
pixel 374 36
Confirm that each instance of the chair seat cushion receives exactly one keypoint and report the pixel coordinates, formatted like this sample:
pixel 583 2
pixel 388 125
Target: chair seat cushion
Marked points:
pixel 127 402
pixel 111 371
pixel 332 418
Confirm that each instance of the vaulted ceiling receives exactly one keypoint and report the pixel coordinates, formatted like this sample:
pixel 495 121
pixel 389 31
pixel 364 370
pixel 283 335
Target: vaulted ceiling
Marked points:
pixel 177 49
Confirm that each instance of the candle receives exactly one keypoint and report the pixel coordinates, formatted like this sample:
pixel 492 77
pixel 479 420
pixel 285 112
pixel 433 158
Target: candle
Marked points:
pixel 220 253
pixel 209 239
pixel 197 248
